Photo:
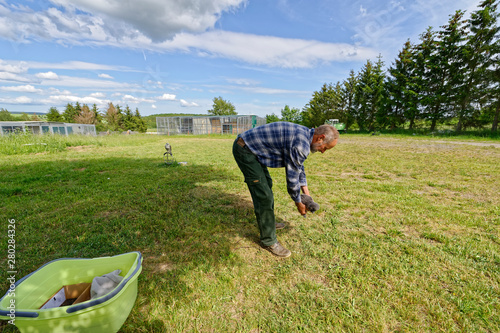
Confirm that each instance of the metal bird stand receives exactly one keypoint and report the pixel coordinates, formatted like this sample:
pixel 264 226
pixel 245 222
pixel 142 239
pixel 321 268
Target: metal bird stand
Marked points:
pixel 167 156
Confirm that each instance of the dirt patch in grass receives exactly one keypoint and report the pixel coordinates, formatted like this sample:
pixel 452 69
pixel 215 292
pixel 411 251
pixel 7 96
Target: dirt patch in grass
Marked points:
pixel 157 264
pixel 471 143
pixel 79 148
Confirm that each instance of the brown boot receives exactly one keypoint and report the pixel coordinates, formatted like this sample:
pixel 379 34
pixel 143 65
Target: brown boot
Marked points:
pixel 280 225
pixel 278 250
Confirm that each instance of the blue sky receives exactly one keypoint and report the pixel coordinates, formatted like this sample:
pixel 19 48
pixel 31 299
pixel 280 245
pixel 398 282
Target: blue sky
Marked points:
pixel 175 56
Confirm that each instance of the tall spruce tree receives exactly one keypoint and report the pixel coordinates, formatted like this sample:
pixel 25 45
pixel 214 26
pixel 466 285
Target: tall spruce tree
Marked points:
pixel 140 123
pixel 449 72
pixel 54 115
pixel 402 88
pixel 128 120
pixel 70 112
pixel 347 95
pixel 480 55
pixel 369 93
pixel 339 110
pixel 431 78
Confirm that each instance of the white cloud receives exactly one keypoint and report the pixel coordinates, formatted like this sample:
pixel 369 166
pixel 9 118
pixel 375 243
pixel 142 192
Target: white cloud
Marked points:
pixel 17 100
pixel 47 76
pixel 23 100
pixel 170 16
pixel 98 95
pixel 243 82
pixel 397 5
pixel 55 91
pixel 186 104
pixel 267 50
pixel 73 65
pixel 167 97
pixel 64 99
pixel 106 76
pixel 16 68
pixel 218 89
pixel 6 76
pixel 153 106
pixel 130 98
pixel 155 84
pixel 387 25
pixel 26 88
pixel 274 91
pixel 133 99
pixel 188 24
pixel 83 82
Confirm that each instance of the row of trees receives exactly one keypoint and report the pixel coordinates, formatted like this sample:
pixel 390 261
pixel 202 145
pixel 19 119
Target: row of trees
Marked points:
pixel 113 119
pixel 5 115
pixel 450 76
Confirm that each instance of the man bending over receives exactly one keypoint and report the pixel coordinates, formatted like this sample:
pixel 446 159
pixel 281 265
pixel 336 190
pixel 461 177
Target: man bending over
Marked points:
pixel 278 145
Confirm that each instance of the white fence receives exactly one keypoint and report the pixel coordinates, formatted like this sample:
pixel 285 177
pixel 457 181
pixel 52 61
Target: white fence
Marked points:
pixel 207 124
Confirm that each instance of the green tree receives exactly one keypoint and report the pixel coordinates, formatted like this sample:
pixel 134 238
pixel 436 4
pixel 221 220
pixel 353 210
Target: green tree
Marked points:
pixel 433 80
pixel 347 95
pixel 113 117
pixel 480 57
pixel 120 113
pixel 402 89
pixel 369 93
pixel 272 118
pixel 222 107
pixel 292 115
pixel 319 108
pixel 494 92
pixel 445 70
pixel 70 112
pixel 97 114
pixel 140 123
pixel 25 117
pixel 339 103
pixel 54 115
pixel 86 116
pixel 5 115
pixel 451 52
pixel 128 120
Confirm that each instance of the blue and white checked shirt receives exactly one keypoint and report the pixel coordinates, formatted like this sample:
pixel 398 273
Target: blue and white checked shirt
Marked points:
pixel 282 144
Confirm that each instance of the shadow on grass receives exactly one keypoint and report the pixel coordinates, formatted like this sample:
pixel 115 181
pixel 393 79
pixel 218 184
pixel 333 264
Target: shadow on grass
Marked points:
pixel 179 217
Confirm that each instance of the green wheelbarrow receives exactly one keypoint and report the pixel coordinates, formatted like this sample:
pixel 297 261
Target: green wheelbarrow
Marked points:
pixel 101 315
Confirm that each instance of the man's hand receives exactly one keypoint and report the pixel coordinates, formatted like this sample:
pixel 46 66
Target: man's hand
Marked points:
pixel 301 208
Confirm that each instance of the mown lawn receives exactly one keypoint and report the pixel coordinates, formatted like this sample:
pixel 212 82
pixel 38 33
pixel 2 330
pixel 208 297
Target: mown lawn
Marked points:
pixel 407 238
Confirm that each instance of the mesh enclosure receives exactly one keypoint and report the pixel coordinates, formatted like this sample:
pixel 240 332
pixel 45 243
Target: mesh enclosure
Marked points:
pixel 207 124
pixel 41 127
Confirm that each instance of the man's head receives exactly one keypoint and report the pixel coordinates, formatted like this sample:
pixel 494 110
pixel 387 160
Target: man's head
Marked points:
pixel 325 137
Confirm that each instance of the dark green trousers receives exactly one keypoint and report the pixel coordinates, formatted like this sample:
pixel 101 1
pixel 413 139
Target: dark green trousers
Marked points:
pixel 260 184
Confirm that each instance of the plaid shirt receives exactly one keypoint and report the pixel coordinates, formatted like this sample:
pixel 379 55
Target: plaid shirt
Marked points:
pixel 282 144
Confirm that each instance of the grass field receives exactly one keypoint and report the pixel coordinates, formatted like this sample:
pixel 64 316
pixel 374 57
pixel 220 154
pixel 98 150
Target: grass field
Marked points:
pixel 407 238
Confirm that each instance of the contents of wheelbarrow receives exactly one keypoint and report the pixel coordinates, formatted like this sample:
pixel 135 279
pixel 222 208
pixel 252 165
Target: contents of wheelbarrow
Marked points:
pixel 68 295
pixel 101 285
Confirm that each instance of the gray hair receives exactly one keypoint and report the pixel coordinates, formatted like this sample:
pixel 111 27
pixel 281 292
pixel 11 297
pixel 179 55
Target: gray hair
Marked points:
pixel 329 131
